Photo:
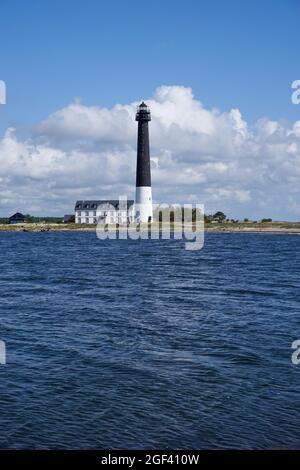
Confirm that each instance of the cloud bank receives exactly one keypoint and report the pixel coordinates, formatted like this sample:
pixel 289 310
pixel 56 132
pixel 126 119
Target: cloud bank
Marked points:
pixel 198 155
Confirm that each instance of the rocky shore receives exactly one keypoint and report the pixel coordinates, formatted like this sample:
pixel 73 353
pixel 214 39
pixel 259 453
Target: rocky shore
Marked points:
pixel 226 227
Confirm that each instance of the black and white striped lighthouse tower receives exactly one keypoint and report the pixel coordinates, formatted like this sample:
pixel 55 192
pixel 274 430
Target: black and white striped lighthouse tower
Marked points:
pixel 143 195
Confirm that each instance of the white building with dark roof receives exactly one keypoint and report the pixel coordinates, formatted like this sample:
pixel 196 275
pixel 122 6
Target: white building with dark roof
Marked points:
pixel 104 211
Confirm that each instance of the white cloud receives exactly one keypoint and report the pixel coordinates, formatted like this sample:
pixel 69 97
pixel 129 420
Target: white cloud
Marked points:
pixel 200 155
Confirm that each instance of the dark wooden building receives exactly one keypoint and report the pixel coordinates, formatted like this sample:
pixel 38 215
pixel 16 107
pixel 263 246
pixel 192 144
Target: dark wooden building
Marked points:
pixel 17 218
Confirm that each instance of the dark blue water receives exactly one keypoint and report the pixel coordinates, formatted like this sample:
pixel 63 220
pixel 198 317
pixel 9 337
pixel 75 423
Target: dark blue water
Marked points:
pixel 142 344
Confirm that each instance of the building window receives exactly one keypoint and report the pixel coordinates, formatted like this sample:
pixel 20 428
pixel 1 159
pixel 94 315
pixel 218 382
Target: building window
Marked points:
pixel 87 213
pixel 79 213
pixel 95 220
pixel 94 214
pixel 79 220
pixel 86 220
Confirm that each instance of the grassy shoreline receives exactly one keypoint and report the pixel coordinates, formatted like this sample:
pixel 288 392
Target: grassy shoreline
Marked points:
pixel 227 227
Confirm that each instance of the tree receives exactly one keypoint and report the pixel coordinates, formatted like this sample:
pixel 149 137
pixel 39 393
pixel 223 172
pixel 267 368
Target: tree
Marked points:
pixel 28 218
pixel 219 216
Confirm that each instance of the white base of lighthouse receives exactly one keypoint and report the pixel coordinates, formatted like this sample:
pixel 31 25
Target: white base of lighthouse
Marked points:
pixel 143 204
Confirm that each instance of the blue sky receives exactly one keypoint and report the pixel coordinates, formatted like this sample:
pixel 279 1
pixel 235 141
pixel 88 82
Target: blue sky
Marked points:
pixel 232 54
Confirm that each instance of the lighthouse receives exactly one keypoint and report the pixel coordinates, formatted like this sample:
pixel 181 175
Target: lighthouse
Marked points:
pixel 143 195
